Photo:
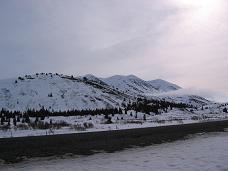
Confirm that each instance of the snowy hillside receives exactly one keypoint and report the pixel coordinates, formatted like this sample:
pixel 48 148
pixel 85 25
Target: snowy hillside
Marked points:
pixel 164 86
pixel 133 85
pixel 193 100
pixel 130 85
pixel 56 92
pixel 60 92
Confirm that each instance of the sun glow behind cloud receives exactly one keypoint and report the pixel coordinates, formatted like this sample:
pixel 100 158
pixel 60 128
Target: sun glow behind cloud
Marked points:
pixel 201 20
pixel 205 6
pixel 198 43
pixel 205 10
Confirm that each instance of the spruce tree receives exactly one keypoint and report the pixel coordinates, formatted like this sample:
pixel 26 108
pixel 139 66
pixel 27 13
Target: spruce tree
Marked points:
pixel 2 120
pixel 144 117
pixel 14 122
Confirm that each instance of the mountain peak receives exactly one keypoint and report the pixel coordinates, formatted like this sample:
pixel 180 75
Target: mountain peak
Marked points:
pixel 132 77
pixel 123 77
pixel 130 84
pixel 163 85
pixel 90 77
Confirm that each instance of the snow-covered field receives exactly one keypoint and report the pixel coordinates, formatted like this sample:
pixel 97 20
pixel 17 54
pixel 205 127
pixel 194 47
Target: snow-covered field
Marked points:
pixel 204 152
pixel 80 124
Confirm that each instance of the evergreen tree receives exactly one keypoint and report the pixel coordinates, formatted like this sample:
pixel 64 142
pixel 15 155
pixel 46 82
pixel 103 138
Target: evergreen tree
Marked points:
pixel 27 119
pixel 131 114
pixel 144 117
pixel 14 122
pixel 36 120
pixel 136 116
pixel 2 120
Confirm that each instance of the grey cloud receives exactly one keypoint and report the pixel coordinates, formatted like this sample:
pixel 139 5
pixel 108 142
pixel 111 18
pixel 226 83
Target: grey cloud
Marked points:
pixel 161 38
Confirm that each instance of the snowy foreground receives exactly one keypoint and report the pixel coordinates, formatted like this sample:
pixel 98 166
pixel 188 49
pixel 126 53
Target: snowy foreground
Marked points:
pixel 204 152
pixel 81 124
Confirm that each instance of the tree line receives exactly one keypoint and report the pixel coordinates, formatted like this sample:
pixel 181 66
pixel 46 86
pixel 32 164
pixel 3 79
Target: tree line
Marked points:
pixel 141 105
pixel 155 106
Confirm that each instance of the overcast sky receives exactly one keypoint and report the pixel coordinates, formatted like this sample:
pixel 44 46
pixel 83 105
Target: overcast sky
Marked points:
pixel 183 41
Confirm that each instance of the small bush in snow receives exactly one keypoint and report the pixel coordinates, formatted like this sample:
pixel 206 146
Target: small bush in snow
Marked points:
pixel 4 127
pixel 180 121
pixel 88 125
pixel 22 127
pixel 161 121
pixel 195 118
pixel 61 123
pixel 78 127
pixel 40 125
pixel 109 120
pixel 46 125
pixel 134 122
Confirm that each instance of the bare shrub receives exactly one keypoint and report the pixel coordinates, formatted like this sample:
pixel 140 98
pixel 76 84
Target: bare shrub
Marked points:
pixel 22 127
pixel 195 118
pixel 4 127
pixel 161 121
pixel 180 121
pixel 134 122
pixel 46 125
pixel 88 125
pixel 78 127
pixel 40 125
pixel 60 124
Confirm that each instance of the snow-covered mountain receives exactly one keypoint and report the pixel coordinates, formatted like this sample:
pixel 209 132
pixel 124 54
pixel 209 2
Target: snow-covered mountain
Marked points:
pixel 193 100
pixel 164 86
pixel 130 85
pixel 57 92
pixel 60 92
pixel 133 85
